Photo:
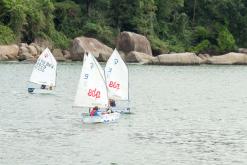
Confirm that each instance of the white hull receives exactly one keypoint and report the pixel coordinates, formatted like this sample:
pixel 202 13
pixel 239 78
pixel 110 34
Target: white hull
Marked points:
pixel 122 110
pixel 104 118
pixel 41 91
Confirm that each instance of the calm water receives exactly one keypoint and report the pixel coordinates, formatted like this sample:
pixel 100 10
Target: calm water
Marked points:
pixel 183 115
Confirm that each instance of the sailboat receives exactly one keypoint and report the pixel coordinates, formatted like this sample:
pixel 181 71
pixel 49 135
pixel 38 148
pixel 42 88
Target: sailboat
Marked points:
pixel 43 77
pixel 117 80
pixel 92 91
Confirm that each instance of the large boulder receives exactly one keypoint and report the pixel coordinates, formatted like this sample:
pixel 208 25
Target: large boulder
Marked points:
pixel 8 52
pixel 128 41
pixel 139 57
pixel 230 58
pixel 178 59
pixel 81 45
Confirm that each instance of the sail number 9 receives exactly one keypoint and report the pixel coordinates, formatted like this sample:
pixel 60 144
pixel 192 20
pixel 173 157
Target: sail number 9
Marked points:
pixel 85 76
pixel 114 85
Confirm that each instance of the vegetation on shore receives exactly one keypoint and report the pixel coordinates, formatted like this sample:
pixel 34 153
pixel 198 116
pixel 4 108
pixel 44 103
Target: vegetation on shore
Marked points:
pixel 171 25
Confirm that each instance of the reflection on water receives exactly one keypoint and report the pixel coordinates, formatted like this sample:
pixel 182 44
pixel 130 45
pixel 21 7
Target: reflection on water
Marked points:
pixel 186 115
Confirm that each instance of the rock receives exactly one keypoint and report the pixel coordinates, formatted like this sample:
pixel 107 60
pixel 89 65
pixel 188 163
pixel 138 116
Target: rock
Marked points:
pixel 57 53
pixel 230 58
pixel 43 43
pixel 23 52
pixel 8 52
pixel 242 50
pixel 66 54
pixel 3 58
pixel 38 48
pixel 32 50
pixel 204 58
pixel 123 56
pixel 23 49
pixel 139 57
pixel 84 44
pixel 23 45
pixel 178 59
pixel 26 56
pixel 128 41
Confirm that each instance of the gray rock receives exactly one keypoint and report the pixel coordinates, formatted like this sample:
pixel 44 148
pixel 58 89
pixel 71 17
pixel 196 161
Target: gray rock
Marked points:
pixel 228 59
pixel 81 45
pixel 178 59
pixel 139 57
pixel 129 41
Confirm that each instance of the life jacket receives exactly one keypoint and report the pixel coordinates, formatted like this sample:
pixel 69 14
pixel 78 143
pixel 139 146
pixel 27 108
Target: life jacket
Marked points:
pixel 94 112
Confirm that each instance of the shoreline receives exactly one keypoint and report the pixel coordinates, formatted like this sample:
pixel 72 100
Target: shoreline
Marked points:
pixel 133 48
pixel 128 63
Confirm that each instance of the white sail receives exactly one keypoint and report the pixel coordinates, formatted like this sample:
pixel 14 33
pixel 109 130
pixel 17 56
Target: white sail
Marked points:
pixel 117 78
pixel 91 89
pixel 97 64
pixel 100 68
pixel 44 71
pixel 84 57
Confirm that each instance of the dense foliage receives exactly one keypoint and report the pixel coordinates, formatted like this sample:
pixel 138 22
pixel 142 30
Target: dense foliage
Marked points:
pixel 213 26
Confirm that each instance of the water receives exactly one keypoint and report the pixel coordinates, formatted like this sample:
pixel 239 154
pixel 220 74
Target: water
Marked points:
pixel 183 115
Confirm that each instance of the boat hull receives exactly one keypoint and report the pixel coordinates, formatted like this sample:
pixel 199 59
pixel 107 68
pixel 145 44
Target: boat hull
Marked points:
pixel 40 91
pixel 104 118
pixel 122 110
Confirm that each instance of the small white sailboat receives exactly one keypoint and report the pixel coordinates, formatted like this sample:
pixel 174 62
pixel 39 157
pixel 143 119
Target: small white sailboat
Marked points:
pixel 117 80
pixel 92 92
pixel 43 77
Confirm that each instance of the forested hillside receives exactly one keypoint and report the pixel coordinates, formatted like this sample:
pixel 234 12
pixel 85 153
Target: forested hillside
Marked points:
pixel 212 26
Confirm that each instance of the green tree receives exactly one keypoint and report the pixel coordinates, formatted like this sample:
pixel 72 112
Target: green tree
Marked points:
pixel 226 41
pixel 7 35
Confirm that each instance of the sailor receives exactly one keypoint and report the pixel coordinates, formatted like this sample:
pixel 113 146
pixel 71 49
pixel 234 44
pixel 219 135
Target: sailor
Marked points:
pixel 112 103
pixel 95 111
pixel 42 86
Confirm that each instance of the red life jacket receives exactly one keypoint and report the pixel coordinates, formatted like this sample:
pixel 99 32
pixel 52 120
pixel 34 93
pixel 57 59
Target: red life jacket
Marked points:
pixel 93 112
